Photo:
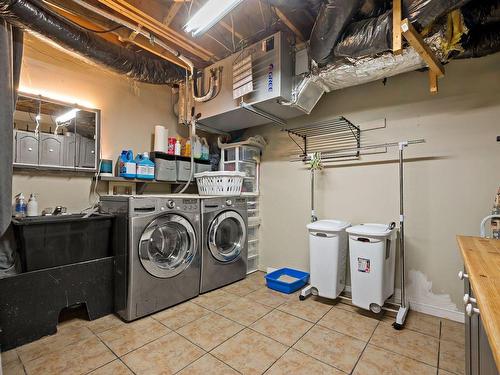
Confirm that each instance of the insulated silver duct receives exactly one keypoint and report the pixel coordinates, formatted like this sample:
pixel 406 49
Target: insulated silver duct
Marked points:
pixel 34 17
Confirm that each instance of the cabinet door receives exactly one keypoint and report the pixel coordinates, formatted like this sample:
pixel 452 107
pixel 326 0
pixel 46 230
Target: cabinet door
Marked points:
pixel 69 151
pixel 487 365
pixel 86 153
pixel 26 148
pixel 472 338
pixel 51 149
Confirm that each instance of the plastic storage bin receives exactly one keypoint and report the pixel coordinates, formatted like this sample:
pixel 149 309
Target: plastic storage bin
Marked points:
pixel 372 250
pixel 253 248
pixel 274 280
pixel 328 256
pixel 249 168
pixel 51 241
pixel 252 232
pixel 252 265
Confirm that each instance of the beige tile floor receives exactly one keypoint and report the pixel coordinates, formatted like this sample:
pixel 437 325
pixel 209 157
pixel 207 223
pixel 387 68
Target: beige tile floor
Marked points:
pixel 246 328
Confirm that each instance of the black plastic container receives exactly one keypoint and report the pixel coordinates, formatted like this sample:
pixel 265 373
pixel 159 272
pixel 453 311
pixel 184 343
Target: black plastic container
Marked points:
pixel 52 241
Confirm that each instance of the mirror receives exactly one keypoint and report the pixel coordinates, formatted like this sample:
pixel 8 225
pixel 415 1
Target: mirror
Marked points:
pixel 54 135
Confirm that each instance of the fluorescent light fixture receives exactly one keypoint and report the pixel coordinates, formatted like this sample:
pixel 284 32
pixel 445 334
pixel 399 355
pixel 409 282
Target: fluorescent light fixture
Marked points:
pixel 68 116
pixel 209 14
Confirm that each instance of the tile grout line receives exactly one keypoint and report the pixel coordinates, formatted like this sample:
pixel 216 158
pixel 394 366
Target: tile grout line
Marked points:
pixel 402 355
pixel 116 355
pixel 439 347
pixel 291 346
pixel 366 345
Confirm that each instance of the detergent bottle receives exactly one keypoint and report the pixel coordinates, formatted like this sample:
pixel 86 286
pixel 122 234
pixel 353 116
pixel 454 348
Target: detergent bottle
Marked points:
pixel 197 147
pixel 126 165
pixel 145 167
pixel 205 151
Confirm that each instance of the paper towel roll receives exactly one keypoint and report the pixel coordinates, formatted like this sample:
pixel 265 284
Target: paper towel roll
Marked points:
pixel 161 135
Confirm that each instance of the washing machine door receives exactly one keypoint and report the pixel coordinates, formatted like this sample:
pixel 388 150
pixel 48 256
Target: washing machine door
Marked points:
pixel 167 246
pixel 227 236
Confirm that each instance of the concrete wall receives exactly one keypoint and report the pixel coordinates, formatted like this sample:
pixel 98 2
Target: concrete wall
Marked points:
pixel 450 181
pixel 129 112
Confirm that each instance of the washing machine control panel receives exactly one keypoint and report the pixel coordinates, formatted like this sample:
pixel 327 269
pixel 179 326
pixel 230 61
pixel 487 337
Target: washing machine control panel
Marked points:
pixel 190 205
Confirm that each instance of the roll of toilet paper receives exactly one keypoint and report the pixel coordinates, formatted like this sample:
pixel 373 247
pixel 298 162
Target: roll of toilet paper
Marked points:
pixel 161 135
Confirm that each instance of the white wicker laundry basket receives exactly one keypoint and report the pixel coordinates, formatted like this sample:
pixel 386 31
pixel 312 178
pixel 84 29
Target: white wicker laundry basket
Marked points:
pixel 219 183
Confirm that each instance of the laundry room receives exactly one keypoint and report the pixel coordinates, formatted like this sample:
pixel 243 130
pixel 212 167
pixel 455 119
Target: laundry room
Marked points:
pixel 250 187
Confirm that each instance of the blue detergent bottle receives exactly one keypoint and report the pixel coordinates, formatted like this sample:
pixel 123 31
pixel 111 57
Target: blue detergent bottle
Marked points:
pixel 127 166
pixel 145 167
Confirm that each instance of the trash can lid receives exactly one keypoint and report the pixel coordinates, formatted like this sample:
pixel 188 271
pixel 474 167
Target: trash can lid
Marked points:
pixel 377 230
pixel 328 225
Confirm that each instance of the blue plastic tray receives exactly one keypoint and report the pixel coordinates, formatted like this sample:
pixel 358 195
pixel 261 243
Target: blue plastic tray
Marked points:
pixel 272 281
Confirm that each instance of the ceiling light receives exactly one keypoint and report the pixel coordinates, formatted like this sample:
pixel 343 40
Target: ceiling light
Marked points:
pixel 209 14
pixel 68 116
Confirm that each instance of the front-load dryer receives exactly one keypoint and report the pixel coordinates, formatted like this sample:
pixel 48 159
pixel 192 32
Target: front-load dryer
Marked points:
pixel 224 241
pixel 158 260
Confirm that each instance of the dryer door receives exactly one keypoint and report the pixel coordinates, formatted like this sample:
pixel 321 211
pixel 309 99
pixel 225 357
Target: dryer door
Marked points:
pixel 167 246
pixel 227 236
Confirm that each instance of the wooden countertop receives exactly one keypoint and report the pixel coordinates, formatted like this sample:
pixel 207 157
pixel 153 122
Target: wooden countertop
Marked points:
pixel 482 261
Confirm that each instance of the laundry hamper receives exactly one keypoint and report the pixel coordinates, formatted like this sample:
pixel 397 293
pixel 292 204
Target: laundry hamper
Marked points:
pixel 220 183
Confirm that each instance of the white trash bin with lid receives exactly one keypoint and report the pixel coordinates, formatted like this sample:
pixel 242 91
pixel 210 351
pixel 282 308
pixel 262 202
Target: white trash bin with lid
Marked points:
pixel 372 249
pixel 328 257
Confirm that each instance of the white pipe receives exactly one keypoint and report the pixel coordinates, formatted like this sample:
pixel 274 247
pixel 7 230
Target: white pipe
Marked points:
pixel 137 30
pixel 482 228
pixel 192 131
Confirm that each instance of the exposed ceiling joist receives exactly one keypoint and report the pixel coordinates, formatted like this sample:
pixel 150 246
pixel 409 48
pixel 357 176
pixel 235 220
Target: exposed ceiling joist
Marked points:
pixel 289 24
pixel 230 29
pixel 144 44
pixel 159 25
pixel 172 12
pixel 152 24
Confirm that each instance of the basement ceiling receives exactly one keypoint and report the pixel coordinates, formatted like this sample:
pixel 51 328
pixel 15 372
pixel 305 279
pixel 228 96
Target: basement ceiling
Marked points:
pixel 251 21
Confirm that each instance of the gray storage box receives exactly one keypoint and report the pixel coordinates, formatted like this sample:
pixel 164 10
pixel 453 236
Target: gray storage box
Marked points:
pixel 183 168
pixel 165 166
pixel 202 166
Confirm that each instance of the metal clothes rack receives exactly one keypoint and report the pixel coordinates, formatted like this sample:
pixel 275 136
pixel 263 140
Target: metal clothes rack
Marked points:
pixel 330 136
pixel 404 306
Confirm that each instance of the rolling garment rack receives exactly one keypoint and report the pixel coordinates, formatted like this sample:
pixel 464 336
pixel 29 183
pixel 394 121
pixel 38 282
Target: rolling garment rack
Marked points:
pixel 331 150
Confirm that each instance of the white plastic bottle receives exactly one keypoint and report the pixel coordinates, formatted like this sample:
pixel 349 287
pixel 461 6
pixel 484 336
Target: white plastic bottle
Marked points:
pixel 197 148
pixel 177 150
pixel 32 206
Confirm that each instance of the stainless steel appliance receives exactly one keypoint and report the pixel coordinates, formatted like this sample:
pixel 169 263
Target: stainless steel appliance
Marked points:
pixel 157 256
pixel 224 241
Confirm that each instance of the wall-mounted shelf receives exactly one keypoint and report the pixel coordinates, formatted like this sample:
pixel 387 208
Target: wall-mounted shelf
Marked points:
pixel 330 136
pixel 140 184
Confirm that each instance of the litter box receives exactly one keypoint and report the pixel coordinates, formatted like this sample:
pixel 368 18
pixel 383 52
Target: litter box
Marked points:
pixel 277 280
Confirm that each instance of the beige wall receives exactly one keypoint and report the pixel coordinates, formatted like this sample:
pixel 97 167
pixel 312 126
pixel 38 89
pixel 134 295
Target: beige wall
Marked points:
pixel 130 111
pixel 450 183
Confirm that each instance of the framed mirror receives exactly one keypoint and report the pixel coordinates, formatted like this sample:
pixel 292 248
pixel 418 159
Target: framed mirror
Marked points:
pixel 53 135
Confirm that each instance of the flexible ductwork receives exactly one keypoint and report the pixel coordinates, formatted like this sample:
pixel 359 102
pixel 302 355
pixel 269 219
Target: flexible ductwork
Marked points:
pixel 350 72
pixel 374 35
pixel 333 17
pixel 29 15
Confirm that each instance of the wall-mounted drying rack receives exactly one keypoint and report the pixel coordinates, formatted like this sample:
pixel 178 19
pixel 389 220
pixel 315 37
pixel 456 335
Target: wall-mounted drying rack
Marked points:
pixel 337 137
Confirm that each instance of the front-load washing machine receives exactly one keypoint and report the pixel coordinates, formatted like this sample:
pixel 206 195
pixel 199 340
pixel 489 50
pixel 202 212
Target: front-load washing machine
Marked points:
pixel 157 254
pixel 224 241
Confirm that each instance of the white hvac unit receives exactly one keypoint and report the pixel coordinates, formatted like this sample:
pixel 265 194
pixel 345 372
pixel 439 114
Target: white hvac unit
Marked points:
pixel 257 87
